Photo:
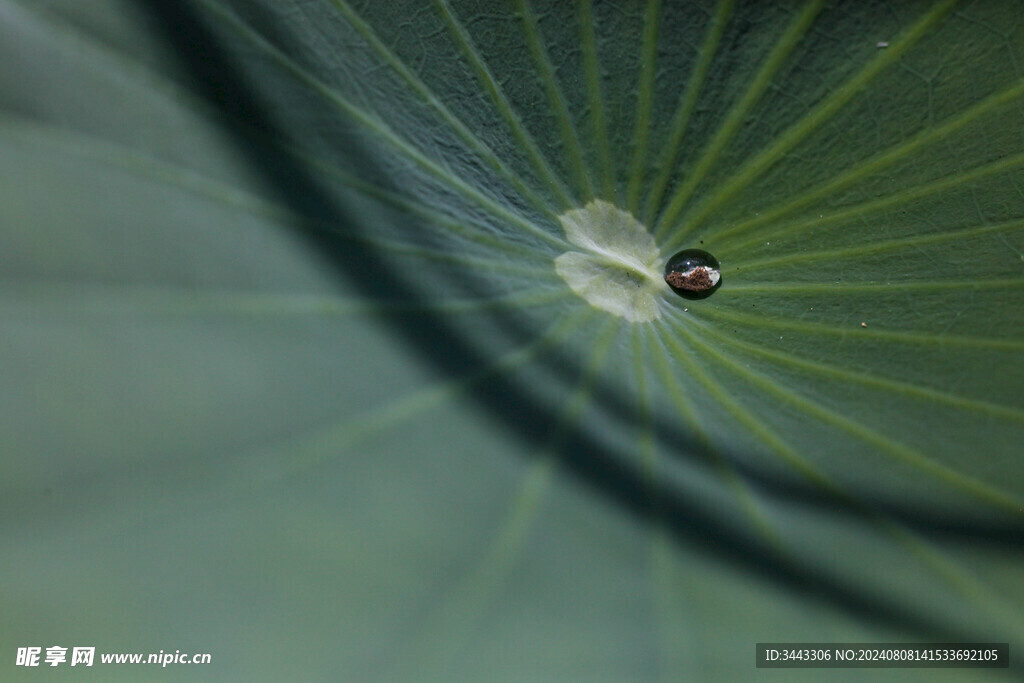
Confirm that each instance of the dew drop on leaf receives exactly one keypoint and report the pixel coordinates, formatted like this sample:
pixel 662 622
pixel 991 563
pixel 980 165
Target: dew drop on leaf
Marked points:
pixel 693 274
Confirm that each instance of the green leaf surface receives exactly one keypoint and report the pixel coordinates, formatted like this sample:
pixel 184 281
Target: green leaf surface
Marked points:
pixel 289 375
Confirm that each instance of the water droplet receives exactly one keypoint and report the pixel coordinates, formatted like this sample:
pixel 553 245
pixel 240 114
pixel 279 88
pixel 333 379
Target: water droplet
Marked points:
pixel 693 274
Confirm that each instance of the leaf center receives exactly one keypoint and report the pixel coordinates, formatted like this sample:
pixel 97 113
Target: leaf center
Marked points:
pixel 617 268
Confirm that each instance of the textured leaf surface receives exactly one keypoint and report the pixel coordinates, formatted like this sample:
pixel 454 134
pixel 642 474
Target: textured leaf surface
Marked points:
pixel 290 377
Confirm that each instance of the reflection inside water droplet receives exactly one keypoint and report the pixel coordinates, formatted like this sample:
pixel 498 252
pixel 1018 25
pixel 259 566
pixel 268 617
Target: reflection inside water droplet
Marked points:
pixel 693 274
